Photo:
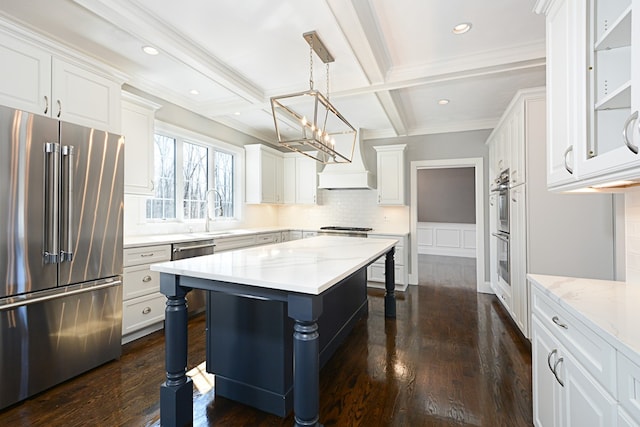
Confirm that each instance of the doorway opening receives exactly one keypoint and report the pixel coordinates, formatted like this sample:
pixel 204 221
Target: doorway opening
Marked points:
pixel 478 172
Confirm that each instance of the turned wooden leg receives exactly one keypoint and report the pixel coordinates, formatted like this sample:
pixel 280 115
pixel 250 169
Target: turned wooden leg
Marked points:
pixel 390 284
pixel 176 394
pixel 305 311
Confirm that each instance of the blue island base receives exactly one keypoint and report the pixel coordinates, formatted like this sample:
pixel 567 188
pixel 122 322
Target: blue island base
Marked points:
pixel 250 341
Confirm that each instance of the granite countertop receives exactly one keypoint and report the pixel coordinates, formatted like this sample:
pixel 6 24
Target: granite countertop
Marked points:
pixel 308 266
pixel 165 239
pixel 610 308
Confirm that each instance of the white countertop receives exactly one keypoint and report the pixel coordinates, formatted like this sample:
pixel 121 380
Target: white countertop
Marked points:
pixel 165 239
pixel 611 309
pixel 308 266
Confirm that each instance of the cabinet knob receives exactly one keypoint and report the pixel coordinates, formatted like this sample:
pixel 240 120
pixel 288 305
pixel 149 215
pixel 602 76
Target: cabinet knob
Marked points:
pixel 146 310
pixel 146 278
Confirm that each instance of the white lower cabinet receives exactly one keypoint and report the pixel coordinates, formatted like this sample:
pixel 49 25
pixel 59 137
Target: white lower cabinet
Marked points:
pixel 625 420
pixel 376 271
pixel 628 391
pixel 143 305
pixel 268 238
pixel 579 379
pixel 565 394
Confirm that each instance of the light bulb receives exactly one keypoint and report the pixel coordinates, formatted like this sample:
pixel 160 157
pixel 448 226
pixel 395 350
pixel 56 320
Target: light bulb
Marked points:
pixel 304 121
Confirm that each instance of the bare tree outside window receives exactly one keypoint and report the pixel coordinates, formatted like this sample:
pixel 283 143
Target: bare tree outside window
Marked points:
pixel 163 204
pixel 224 184
pixel 195 170
pixel 197 161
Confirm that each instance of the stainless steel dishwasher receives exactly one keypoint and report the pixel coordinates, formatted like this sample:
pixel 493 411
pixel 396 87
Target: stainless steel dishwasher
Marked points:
pixel 196 298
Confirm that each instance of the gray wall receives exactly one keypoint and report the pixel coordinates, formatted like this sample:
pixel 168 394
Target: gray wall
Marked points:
pixel 447 195
pixel 442 146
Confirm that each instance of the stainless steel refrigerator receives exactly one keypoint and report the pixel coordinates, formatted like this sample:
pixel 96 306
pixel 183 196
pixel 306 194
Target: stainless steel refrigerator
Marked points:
pixel 61 211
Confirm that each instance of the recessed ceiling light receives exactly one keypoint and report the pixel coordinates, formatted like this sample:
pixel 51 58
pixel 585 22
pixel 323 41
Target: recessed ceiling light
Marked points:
pixel 237 113
pixel 150 50
pixel 443 101
pixel 194 92
pixel 462 28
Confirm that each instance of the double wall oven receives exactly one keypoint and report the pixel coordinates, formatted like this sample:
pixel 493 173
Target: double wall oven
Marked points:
pixel 503 232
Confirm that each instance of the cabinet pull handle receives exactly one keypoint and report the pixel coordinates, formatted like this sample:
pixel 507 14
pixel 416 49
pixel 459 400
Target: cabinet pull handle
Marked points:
pixel 147 310
pixel 630 145
pixel 556 320
pixel 146 278
pixel 555 350
pixel 46 104
pixel 566 164
pixel 555 371
pixel 59 108
pixel 146 255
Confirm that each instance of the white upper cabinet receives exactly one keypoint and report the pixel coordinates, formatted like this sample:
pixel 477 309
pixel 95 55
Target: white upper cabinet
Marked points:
pixel 300 179
pixel 264 174
pixel 26 84
pixel 41 83
pixel 562 104
pixel 79 96
pixel 391 187
pixel 517 162
pixel 593 79
pixel 137 128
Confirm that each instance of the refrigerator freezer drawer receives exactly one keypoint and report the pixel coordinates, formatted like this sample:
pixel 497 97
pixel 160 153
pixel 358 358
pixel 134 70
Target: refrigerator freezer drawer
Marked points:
pixel 52 337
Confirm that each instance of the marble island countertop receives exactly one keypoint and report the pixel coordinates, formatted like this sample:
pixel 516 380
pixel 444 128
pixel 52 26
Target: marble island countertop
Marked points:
pixel 610 308
pixel 307 266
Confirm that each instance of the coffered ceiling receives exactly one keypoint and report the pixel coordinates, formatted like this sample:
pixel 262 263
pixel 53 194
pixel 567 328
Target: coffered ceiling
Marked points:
pixel 394 59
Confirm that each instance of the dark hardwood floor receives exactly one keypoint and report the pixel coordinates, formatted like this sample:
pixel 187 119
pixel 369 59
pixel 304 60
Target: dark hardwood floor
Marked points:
pixel 451 358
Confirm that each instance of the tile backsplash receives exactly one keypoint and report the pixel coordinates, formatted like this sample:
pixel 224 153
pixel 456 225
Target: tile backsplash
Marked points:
pixel 349 208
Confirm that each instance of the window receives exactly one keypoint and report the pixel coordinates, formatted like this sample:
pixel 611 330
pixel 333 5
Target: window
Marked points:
pixel 163 204
pixel 189 173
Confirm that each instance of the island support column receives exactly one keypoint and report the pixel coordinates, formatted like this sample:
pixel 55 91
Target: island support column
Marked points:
pixel 305 311
pixel 176 394
pixel 390 284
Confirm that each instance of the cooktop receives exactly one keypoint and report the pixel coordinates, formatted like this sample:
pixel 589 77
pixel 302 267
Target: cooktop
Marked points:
pixel 338 228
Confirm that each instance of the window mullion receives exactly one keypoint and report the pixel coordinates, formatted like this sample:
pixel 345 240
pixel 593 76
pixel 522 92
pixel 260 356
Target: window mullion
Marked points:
pixel 179 180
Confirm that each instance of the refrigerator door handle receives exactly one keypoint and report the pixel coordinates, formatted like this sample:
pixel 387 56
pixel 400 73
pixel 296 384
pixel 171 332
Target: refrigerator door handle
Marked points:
pixel 66 229
pixel 51 164
pixel 57 295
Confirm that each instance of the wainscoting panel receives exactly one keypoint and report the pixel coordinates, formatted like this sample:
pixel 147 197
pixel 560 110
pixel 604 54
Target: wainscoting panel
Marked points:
pixel 450 239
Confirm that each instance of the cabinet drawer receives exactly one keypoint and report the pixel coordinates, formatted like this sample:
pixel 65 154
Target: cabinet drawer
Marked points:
pixel 139 281
pixel 264 239
pixel 229 243
pixel 141 312
pixel 591 351
pixel 147 255
pixel 629 386
pixel 376 273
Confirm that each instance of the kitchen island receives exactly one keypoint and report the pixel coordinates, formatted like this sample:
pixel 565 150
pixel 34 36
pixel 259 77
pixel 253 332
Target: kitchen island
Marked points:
pixel 304 276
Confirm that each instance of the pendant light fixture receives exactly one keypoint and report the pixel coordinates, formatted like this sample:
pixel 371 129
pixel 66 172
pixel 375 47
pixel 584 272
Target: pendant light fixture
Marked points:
pixel 308 123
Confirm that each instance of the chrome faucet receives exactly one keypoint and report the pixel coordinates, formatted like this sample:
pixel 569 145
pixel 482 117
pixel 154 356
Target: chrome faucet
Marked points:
pixel 217 206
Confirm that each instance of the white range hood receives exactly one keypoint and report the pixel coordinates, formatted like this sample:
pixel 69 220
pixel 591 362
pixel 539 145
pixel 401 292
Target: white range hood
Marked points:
pixel 352 175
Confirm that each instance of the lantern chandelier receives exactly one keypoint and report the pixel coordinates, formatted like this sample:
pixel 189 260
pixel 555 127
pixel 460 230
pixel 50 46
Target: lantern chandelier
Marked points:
pixel 308 123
